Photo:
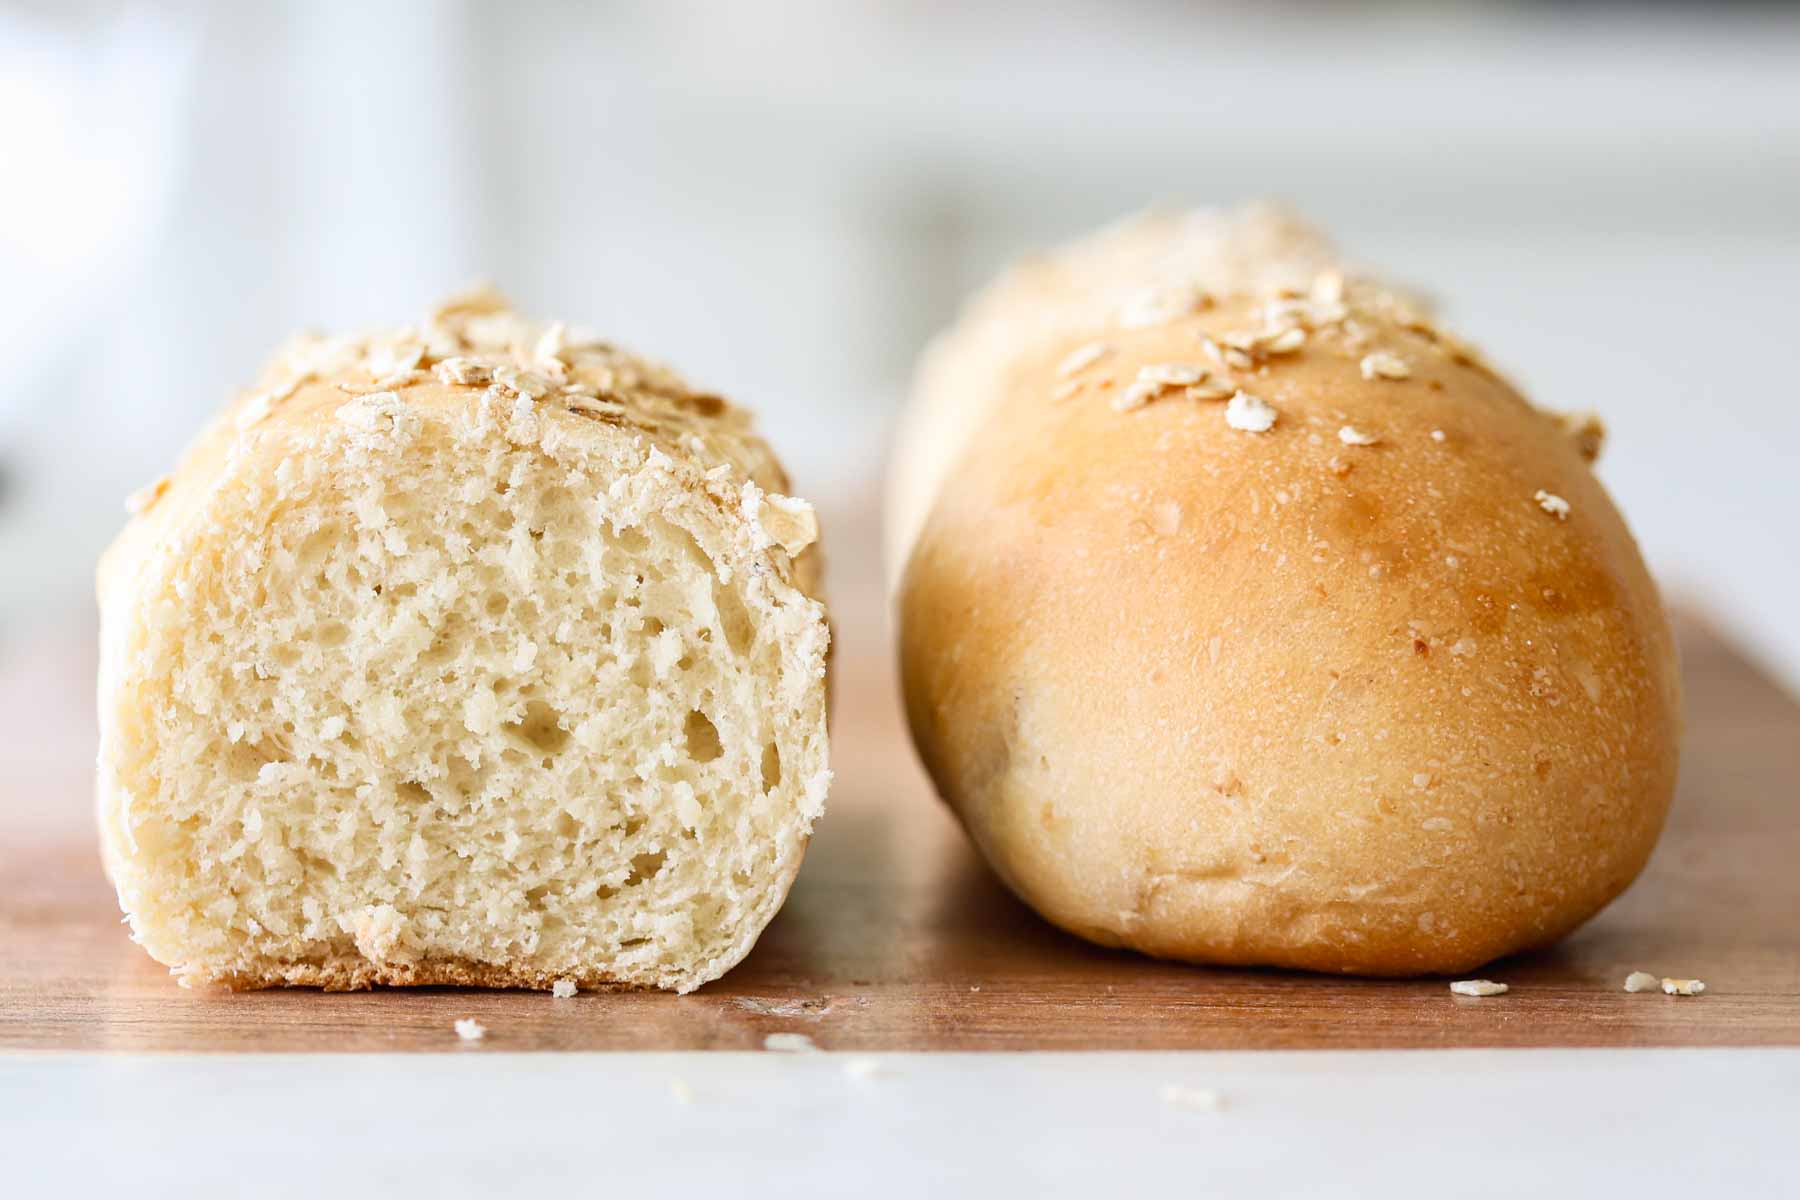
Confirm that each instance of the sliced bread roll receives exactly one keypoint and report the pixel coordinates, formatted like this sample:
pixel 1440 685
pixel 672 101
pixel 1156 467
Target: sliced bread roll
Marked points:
pixel 477 653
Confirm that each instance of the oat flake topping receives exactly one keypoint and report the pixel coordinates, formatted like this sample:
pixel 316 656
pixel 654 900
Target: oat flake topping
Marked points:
pixel 1252 414
pixel 1382 365
pixel 1553 504
pixel 475 340
pixel 1081 358
pixel 1158 379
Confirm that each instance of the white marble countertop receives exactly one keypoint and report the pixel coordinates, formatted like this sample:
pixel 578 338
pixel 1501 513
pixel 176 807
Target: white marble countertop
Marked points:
pixel 1453 1123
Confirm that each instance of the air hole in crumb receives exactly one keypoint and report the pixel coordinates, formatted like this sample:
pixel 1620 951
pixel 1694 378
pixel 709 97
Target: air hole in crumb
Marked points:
pixel 632 943
pixel 318 545
pixel 734 618
pixel 605 893
pixel 332 634
pixel 653 626
pixel 680 537
pixel 632 540
pixel 702 737
pixel 771 768
pixel 244 760
pixel 541 727
pixel 495 604
pixel 412 794
pixel 645 866
pixel 442 649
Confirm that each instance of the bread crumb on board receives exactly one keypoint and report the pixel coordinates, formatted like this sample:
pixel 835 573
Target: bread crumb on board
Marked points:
pixel 790 1043
pixel 1641 981
pixel 562 989
pixel 1683 987
pixel 1180 1095
pixel 1479 987
pixel 470 1030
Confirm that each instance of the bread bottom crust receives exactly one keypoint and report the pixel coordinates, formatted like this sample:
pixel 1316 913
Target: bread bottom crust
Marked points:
pixel 350 974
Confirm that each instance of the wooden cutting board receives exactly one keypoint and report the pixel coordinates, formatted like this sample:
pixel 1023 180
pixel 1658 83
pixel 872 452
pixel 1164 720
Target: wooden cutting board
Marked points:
pixel 897 938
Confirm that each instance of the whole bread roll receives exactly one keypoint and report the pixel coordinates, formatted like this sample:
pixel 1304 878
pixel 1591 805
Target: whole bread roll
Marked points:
pixel 1249 618
pixel 473 653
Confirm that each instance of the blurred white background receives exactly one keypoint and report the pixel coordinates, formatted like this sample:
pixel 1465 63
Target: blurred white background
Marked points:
pixel 788 199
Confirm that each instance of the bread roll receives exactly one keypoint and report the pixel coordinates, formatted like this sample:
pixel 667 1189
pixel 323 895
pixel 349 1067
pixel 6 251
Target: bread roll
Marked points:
pixel 1251 619
pixel 477 653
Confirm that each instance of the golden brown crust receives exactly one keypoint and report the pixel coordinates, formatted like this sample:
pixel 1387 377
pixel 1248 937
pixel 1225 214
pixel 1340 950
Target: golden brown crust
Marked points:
pixel 1385 689
pixel 353 973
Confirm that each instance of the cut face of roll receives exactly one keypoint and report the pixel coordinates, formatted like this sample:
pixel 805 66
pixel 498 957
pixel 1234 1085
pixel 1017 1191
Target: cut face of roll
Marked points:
pixel 480 654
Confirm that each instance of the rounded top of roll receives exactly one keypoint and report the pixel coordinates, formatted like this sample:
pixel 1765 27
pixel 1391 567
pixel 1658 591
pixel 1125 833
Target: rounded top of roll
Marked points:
pixel 1271 270
pixel 475 338
pixel 519 374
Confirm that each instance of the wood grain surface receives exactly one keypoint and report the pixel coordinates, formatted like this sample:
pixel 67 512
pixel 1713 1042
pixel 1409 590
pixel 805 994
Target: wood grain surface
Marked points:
pixel 896 937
